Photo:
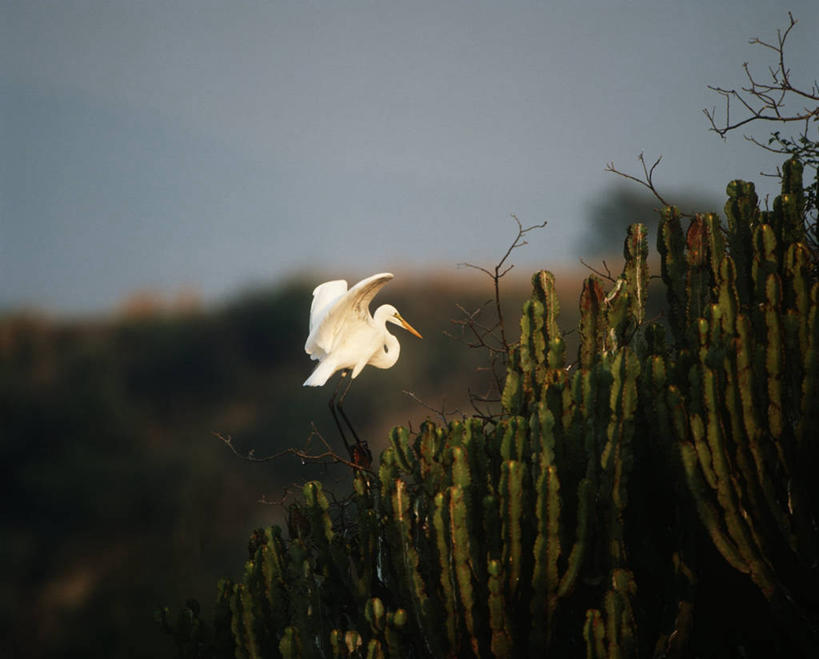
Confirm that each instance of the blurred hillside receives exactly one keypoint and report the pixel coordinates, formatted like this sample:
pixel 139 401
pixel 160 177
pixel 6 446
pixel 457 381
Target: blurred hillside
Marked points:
pixel 117 496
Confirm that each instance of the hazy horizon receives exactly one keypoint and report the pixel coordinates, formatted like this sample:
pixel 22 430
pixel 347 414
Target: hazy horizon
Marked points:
pixel 211 146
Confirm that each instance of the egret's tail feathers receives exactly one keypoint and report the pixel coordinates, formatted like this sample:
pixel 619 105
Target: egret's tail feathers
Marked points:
pixel 320 374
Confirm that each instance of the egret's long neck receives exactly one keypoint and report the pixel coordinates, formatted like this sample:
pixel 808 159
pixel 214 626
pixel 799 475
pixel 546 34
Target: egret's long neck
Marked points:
pixel 390 355
pixel 389 348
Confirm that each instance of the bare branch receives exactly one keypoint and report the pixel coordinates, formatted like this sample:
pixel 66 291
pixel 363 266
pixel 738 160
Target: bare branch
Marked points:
pixel 326 456
pixel 605 275
pixel 483 335
pixel 287 492
pixel 778 100
pixel 767 147
pixel 648 177
pixel 502 269
pixel 765 101
pixel 491 336
pixel 441 412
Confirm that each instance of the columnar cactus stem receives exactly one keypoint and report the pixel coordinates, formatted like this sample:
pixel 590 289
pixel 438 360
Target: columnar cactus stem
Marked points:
pixel 808 426
pixel 449 596
pixel 616 458
pixel 792 203
pixel 699 273
pixel 512 500
pixel 290 645
pixel 501 640
pixel 636 270
pixel 592 322
pixel 459 538
pixel 742 214
pixel 594 633
pixel 513 391
pixel 547 551
pixel 671 246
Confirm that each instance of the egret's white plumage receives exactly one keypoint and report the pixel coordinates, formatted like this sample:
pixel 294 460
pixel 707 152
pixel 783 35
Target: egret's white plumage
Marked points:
pixel 343 334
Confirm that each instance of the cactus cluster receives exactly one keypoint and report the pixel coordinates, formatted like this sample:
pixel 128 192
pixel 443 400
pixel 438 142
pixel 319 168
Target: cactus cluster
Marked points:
pixel 575 522
pixel 743 383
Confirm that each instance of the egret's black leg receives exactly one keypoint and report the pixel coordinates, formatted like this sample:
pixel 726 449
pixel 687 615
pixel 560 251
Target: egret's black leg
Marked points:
pixel 360 453
pixel 339 404
pixel 335 416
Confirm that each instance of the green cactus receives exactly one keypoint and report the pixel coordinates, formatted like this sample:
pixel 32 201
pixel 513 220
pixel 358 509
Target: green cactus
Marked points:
pixel 460 551
pixel 579 517
pixel 635 272
pixel 592 322
pixel 746 400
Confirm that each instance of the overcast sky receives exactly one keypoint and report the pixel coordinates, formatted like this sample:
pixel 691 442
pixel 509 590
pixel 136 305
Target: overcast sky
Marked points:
pixel 220 144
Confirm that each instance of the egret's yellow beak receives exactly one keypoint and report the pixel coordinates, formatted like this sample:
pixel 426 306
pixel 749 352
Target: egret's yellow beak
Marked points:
pixel 407 326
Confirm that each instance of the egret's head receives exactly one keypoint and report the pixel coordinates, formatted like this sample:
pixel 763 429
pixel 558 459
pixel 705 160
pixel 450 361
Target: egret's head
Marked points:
pixel 395 318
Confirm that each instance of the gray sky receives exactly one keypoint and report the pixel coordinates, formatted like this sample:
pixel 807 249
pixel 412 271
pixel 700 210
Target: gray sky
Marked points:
pixel 220 144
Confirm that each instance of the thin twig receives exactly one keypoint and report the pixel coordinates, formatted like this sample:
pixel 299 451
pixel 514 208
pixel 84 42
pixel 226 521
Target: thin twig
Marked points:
pixel 286 493
pixel 648 176
pixel 303 454
pixel 491 336
pixel 778 100
pixel 441 412
pixel 605 275
pixel 765 101
pixel 502 269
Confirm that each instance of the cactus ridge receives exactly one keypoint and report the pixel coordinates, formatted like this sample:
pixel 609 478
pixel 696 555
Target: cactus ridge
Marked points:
pixel 544 529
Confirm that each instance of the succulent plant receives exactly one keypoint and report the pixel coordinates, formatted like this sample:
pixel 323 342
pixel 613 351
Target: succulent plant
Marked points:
pixel 557 526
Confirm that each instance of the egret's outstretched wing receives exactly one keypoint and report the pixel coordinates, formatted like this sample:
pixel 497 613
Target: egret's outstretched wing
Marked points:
pixel 349 309
pixel 324 296
pixel 359 296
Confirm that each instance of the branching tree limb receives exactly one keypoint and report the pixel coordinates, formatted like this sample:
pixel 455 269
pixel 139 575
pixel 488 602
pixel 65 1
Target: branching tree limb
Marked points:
pixel 647 181
pixel 779 100
pixel 776 99
pixel 297 523
pixel 501 269
pixel 438 411
pixel 491 335
pixel 605 275
pixel 325 456
pixel 766 100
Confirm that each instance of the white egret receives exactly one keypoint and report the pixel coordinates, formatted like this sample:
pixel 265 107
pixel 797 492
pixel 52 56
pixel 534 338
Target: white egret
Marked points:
pixel 345 337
